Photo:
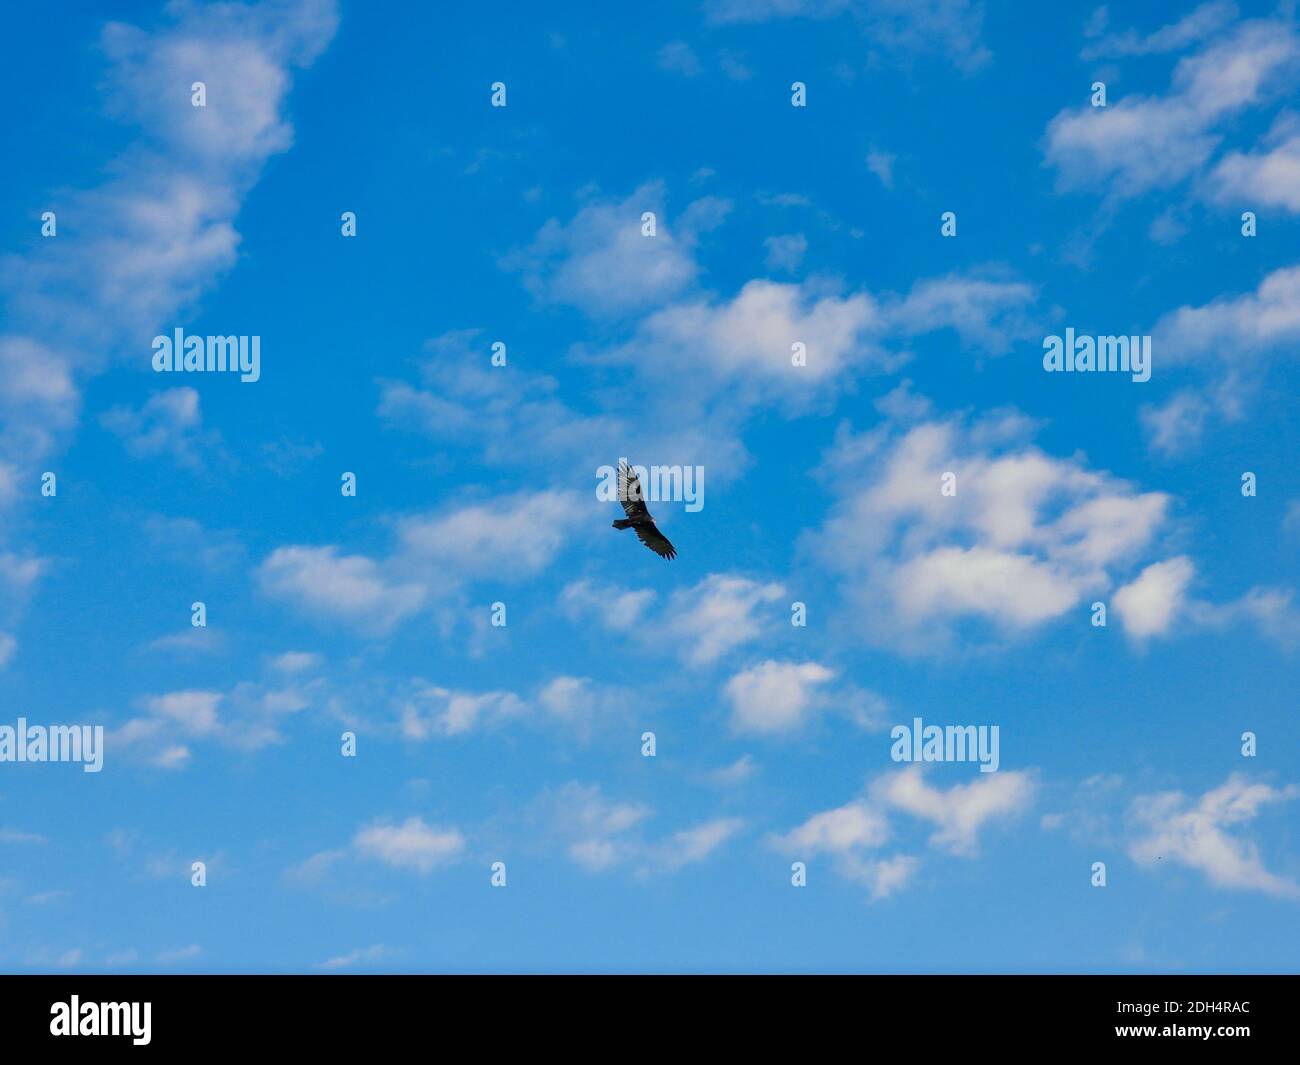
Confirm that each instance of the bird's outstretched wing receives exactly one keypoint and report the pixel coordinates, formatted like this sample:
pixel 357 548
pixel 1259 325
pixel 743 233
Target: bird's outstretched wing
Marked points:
pixel 648 533
pixel 631 495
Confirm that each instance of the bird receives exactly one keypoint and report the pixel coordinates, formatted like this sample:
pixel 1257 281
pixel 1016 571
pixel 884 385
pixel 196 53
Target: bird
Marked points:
pixel 638 516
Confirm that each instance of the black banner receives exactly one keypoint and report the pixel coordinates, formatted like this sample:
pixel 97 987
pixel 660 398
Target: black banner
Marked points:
pixel 1222 1015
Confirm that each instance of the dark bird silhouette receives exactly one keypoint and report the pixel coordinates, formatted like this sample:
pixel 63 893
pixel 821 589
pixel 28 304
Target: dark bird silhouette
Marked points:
pixel 638 517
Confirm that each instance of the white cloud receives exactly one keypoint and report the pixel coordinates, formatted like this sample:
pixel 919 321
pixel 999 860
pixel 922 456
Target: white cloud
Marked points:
pixel 1198 833
pixel 962 811
pixel 882 165
pixel 248 51
pixel 616 609
pixel 295 661
pixel 601 834
pixel 508 537
pixel 44 898
pixel 244 718
pixel 1291 520
pixel 464 402
pixel 175 866
pixel 9 480
pixel 166 216
pixel 733 66
pixel 169 424
pixel 1202 22
pixel 1271 610
pixel 194 711
pixel 677 57
pixel 189 641
pixel 746 341
pixel 884 876
pixel 186 542
pixel 1178 425
pixel 692 845
pixel 360 956
pixel 849 833
pixel 170 957
pixel 1140 142
pixel 702 623
pixel 854 825
pixel 410 845
pixel 318 580
pixel 775 697
pixel 852 833
pixel 1024 538
pixel 18 577
pixel 906 28
pixel 1270 178
pixel 514 535
pixel 10 835
pixel 580 703
pixel 718 615
pixel 596 828
pixel 987 311
pixel 738 351
pixel 1230 327
pixel 601 262
pixel 727 11
pixel 38 397
pixel 949 28
pixel 596 854
pixel 121 957
pixel 785 252
pixel 1149 605
pixel 433 710
pixel 313 870
pixel 1018 590
pixel 1166 227
pixel 742 769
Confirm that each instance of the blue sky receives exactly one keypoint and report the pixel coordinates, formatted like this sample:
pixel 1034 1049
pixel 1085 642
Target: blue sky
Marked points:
pixel 476 484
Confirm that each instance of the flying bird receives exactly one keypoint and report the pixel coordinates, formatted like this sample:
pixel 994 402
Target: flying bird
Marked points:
pixel 638 516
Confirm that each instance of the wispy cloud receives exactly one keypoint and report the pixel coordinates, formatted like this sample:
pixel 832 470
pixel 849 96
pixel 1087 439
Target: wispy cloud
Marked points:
pixel 1203 833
